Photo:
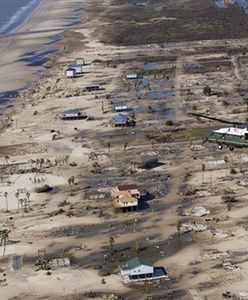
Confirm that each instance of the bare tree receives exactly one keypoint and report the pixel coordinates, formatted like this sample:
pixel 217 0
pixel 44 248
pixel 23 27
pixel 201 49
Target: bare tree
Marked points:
pixel 6 200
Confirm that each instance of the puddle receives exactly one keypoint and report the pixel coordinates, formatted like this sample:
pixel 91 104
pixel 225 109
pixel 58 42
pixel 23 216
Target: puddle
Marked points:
pixel 33 59
pixel 156 95
pixel 158 110
pixel 220 3
pixel 150 66
pixel 192 66
pixel 6 96
pixel 147 3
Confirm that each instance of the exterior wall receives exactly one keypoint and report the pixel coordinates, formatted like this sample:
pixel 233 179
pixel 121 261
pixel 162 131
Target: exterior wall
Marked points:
pixel 70 74
pixel 138 271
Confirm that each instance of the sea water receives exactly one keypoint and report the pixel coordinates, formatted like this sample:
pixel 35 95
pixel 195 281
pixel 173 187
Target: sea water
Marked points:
pixel 15 12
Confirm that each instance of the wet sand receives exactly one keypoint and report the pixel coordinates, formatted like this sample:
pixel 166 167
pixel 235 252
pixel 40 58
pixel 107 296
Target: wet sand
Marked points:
pixel 24 51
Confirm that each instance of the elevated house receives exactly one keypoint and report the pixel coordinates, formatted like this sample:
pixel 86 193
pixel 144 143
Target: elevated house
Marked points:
pixel 139 269
pixel 70 73
pixel 132 189
pixel 73 114
pixel 80 61
pixel 78 68
pixel 120 107
pixel 124 202
pixel 121 120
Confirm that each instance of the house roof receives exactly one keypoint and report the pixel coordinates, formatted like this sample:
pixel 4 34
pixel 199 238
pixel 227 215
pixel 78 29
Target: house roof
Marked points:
pixel 124 196
pixel 72 112
pixel 135 262
pixel 70 69
pixel 75 65
pixel 120 118
pixel 127 187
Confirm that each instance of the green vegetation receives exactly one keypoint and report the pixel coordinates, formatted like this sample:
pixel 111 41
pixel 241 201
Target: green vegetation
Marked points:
pixel 195 133
pixel 43 189
pixel 207 90
pixel 72 41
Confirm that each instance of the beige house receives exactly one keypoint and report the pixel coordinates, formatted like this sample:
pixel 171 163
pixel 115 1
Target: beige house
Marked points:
pixel 132 189
pixel 124 202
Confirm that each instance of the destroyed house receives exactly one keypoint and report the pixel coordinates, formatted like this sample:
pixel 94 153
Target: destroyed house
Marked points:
pixel 121 120
pixel 145 161
pixel 72 114
pixel 93 87
pixel 139 269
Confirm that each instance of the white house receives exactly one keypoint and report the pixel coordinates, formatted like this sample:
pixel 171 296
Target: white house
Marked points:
pixel 78 68
pixel 70 73
pixel 138 269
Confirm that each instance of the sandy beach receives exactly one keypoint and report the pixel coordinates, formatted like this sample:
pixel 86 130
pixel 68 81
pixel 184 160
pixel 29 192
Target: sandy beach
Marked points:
pixel 34 37
pixel 62 237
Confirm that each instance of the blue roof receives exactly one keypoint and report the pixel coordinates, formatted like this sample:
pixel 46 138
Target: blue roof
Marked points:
pixel 136 262
pixel 72 111
pixel 120 118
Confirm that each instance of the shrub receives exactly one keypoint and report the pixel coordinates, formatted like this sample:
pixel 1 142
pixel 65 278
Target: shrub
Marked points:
pixel 207 90
pixel 169 123
pixel 43 189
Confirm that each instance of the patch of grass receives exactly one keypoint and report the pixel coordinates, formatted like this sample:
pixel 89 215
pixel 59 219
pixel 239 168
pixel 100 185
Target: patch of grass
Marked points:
pixel 72 41
pixel 195 133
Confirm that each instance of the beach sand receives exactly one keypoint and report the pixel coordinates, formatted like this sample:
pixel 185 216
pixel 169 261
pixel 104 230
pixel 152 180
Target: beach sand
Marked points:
pixel 49 20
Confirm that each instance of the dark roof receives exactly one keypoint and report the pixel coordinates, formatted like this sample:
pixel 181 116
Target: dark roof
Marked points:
pixel 145 159
pixel 70 69
pixel 120 118
pixel 72 111
pixel 135 262
pixel 127 187
pixel 74 65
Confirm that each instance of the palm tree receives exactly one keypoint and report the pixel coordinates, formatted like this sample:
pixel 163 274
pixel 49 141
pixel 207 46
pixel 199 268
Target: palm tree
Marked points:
pixel 111 244
pixel 4 235
pixel 179 226
pixel 22 206
pixel 125 146
pixel 17 195
pixel 6 157
pixel 71 182
pixel 28 202
pixel 203 170
pixel 6 200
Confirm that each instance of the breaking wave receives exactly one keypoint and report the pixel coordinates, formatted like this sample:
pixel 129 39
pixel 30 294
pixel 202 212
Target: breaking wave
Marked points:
pixel 19 15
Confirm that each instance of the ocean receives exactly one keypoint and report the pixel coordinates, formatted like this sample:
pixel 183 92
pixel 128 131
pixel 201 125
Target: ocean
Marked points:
pixel 15 12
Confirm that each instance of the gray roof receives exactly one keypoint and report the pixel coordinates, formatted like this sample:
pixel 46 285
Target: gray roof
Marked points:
pixel 135 262
pixel 120 118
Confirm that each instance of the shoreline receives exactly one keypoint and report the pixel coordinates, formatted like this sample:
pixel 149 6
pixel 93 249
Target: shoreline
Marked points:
pixel 59 177
pixel 32 36
pixel 21 21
